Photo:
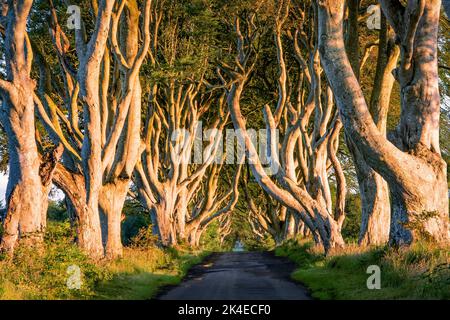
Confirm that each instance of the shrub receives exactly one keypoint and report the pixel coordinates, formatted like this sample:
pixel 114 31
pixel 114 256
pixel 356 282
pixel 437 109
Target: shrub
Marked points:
pixel 43 273
pixel 144 238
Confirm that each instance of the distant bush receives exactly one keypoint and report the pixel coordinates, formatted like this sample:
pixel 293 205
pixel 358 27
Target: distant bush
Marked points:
pixel 135 220
pixel 299 252
pixel 352 222
pixel 57 211
pixel 144 238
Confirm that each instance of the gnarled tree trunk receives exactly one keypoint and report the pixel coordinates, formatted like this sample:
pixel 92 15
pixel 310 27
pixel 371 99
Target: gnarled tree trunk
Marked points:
pixel 87 222
pixel 414 169
pixel 374 191
pixel 112 198
pixel 29 178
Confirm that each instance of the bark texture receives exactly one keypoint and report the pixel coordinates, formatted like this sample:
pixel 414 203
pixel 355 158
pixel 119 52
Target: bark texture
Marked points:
pixel 375 215
pixel 29 176
pixel 413 168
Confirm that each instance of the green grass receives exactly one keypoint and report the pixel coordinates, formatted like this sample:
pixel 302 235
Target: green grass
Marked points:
pixel 43 273
pixel 141 272
pixel 419 272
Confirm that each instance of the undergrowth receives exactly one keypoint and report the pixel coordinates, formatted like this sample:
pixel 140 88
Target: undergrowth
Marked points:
pixel 421 271
pixel 45 273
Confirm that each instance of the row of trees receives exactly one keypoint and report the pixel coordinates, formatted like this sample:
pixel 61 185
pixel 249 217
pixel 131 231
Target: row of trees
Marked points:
pixel 97 111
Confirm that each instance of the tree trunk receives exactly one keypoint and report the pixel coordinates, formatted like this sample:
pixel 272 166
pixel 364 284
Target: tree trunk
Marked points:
pixel 89 231
pixel 375 214
pixel 192 237
pixel 89 237
pixel 181 213
pixel 25 195
pixel 112 198
pixel 25 198
pixel 164 223
pixel 415 171
pixel 289 230
pixel 198 236
pixel 127 151
pixel 376 207
pixel 418 132
pixel 292 196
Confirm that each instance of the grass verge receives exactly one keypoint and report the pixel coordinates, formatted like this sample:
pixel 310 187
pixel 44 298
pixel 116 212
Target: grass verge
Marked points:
pixel 141 272
pixel 49 273
pixel 421 271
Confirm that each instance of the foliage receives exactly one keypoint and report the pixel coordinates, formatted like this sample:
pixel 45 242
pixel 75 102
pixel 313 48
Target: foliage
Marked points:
pixel 299 252
pixel 210 240
pixel 352 222
pixel 141 271
pixel 242 231
pixel 57 211
pixel 42 273
pixel 144 238
pixel 136 220
pixel 187 39
pixel 4 156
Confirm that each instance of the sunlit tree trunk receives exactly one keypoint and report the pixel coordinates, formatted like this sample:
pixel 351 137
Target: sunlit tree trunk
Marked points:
pixel 107 84
pixel 376 208
pixel 123 160
pixel 166 180
pixel 213 206
pixel 375 215
pixel 414 168
pixel 29 178
pixel 88 232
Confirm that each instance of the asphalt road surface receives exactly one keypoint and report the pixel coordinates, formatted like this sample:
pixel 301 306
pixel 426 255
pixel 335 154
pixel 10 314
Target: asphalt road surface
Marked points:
pixel 238 276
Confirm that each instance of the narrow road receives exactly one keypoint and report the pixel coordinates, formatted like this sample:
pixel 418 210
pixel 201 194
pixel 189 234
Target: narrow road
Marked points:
pixel 239 276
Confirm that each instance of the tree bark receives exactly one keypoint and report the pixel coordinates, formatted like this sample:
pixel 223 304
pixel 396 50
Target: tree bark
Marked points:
pixel 375 214
pixel 415 171
pixel 112 198
pixel 29 179
pixel 88 230
pixel 164 212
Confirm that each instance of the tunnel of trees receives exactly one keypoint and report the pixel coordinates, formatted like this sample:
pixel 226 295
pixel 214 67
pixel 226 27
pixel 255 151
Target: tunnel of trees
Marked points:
pixel 104 100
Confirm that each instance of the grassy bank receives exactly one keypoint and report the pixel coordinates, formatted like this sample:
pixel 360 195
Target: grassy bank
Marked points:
pixel 44 274
pixel 419 272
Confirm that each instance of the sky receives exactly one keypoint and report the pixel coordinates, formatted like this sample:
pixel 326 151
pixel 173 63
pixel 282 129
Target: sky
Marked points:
pixel 3 183
pixel 58 195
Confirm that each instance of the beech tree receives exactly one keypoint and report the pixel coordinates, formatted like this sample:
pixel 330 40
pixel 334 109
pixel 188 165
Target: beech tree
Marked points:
pixel 267 216
pixel 410 161
pixel 212 205
pixel 302 175
pixel 30 174
pixel 376 210
pixel 99 157
pixel 165 178
pixel 176 180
